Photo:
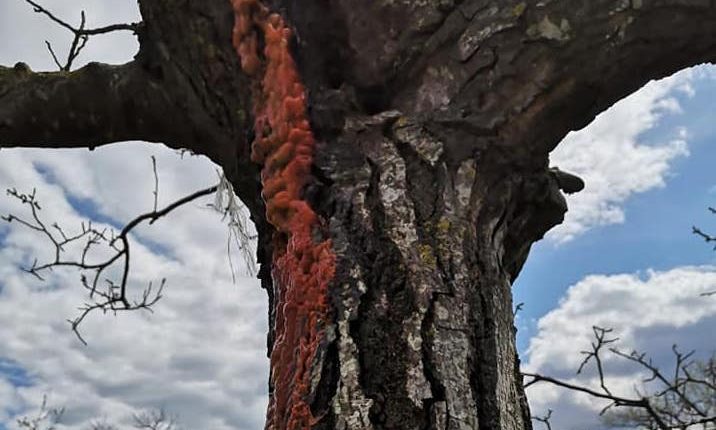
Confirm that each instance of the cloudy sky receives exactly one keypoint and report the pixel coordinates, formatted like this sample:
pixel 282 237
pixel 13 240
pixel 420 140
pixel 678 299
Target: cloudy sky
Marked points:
pixel 625 255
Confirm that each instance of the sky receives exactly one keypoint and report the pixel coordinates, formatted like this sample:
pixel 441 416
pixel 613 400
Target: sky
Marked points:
pixel 624 258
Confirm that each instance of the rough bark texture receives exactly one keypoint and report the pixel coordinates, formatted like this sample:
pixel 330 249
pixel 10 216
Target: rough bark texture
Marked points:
pixel 434 120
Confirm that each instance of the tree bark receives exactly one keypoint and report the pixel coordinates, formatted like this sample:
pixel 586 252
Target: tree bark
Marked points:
pixel 425 335
pixel 434 121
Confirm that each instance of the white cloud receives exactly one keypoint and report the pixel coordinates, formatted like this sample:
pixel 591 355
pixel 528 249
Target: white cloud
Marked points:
pixel 201 355
pixel 649 312
pixel 611 155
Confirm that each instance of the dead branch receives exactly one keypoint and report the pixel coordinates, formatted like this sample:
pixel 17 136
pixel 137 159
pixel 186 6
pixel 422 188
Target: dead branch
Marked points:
pixel 113 298
pixel 545 419
pixel 705 236
pixel 600 335
pixel 685 398
pixel 46 419
pixel 154 420
pixel 709 239
pixel 102 424
pixel 616 400
pixel 81 34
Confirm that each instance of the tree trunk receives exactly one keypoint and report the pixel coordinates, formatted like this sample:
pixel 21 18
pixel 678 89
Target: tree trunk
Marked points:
pixel 424 334
pixel 432 123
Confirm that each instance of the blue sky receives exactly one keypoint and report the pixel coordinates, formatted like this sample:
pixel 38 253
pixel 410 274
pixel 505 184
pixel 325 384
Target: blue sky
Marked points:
pixel 657 231
pixel 625 257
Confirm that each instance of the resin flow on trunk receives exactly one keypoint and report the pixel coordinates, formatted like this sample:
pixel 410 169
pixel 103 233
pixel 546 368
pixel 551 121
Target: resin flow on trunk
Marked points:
pixel 302 268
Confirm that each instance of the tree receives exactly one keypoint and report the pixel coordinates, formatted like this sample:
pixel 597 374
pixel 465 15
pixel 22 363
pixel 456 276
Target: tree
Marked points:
pixel 414 181
pixel 682 398
pixel 48 418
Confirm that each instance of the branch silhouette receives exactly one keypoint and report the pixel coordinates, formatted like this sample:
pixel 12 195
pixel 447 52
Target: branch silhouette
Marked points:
pixel 114 297
pixel 686 398
pixel 81 34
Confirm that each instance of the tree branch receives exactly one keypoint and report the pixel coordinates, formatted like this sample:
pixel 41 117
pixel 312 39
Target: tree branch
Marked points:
pixel 133 27
pixel 545 419
pixel 619 401
pixel 601 51
pixel 683 401
pixel 101 104
pixel 114 298
pixel 705 236
pixel 557 64
pixel 95 105
pixel 81 34
pixel 47 418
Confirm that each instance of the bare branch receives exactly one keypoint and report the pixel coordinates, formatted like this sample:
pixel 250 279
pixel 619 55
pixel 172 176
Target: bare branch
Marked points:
pixel 600 334
pixel 545 419
pixel 133 27
pixel 154 420
pixel 156 182
pixel 81 34
pixel 102 424
pixel 114 298
pixel 687 398
pixel 675 387
pixel 707 237
pixel 46 419
pixel 54 56
pixel 622 401
pixel 616 400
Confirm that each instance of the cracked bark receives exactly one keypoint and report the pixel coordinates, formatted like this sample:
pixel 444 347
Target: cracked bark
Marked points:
pixel 434 121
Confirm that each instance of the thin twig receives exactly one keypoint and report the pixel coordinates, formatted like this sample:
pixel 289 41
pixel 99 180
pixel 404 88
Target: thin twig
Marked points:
pixel 50 416
pixel 705 236
pixel 670 384
pixel 133 27
pixel 156 182
pixel 80 34
pixel 545 419
pixel 600 334
pixel 54 56
pixel 617 400
pixel 114 298
pixel 685 400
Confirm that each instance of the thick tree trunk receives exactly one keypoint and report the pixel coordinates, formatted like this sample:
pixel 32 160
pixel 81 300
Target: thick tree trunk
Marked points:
pixel 424 335
pixel 433 122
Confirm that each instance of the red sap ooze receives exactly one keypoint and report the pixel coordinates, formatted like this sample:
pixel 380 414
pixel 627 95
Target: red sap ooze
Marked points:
pixel 302 268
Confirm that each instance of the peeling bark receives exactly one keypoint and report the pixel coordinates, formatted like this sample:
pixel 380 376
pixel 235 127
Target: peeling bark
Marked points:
pixel 434 120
